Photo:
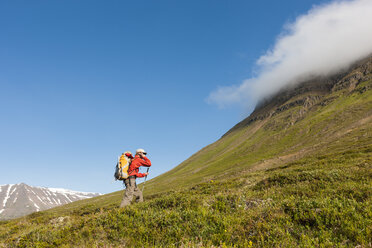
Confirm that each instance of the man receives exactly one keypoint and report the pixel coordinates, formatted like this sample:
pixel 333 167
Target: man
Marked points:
pixel 139 160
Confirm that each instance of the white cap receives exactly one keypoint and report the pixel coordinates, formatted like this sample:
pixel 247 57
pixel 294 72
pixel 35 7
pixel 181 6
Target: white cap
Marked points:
pixel 140 150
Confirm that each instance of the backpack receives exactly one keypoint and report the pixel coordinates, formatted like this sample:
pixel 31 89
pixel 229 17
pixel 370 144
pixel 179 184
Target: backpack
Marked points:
pixel 122 166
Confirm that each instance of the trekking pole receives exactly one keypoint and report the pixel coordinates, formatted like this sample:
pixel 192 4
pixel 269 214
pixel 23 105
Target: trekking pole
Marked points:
pixel 143 187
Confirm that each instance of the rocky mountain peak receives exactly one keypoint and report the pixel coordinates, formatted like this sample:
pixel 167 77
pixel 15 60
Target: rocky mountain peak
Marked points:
pixel 309 93
pixel 17 200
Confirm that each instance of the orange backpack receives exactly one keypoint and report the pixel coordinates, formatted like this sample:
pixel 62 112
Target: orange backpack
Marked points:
pixel 122 166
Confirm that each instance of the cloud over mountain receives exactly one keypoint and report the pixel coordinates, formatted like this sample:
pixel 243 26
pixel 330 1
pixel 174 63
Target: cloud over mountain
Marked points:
pixel 325 40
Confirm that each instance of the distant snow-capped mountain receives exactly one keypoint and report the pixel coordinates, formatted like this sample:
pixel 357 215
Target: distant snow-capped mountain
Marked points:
pixel 17 200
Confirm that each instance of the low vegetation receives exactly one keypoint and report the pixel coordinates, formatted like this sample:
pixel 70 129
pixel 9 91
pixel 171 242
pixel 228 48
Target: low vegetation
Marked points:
pixel 322 201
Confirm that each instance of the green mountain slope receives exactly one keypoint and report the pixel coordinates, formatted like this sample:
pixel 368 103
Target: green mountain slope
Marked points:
pixel 295 173
pixel 297 122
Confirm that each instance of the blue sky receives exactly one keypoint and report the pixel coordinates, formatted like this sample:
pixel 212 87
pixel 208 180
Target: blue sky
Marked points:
pixel 82 81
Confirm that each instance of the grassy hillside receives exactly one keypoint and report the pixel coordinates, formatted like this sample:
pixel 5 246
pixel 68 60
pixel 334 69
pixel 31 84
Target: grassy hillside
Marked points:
pixel 299 177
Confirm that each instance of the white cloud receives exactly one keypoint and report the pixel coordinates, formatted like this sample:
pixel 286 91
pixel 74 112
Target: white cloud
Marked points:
pixel 325 40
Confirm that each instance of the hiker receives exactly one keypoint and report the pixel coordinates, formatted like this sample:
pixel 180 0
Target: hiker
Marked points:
pixel 131 190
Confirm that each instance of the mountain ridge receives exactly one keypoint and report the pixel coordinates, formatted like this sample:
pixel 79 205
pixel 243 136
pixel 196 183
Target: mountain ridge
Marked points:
pixel 21 199
pixel 317 86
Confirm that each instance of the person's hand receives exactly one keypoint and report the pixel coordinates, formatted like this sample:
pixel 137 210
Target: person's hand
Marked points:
pixel 146 173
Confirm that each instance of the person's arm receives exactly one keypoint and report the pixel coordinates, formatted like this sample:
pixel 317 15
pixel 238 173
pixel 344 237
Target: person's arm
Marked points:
pixel 141 174
pixel 145 162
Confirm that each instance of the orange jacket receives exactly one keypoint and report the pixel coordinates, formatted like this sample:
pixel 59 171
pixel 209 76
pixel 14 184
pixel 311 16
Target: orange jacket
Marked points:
pixel 136 163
